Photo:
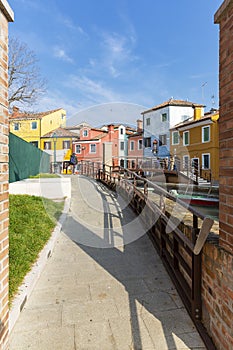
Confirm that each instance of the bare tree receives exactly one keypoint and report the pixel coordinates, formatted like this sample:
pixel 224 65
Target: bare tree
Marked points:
pixel 24 79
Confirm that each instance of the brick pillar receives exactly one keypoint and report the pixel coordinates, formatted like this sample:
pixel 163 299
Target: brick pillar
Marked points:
pixel 6 15
pixel 224 17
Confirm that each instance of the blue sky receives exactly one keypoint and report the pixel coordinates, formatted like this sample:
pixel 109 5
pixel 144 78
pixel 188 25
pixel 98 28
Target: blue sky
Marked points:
pixel 136 53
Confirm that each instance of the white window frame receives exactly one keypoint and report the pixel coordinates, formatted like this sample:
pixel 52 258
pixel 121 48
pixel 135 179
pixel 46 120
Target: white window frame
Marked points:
pixel 147 121
pixel 78 148
pixel 186 133
pixel 91 146
pixel 178 137
pixel 202 160
pixel 203 133
pixel 85 132
pixel 132 146
pixel 35 125
pixel 140 144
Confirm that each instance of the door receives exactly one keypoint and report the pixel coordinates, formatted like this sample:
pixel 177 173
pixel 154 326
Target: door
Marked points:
pixel 195 166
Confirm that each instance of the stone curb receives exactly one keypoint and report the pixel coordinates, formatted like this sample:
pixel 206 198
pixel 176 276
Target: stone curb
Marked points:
pixel 33 275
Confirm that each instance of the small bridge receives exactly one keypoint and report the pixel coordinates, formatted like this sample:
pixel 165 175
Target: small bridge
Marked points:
pixel 177 230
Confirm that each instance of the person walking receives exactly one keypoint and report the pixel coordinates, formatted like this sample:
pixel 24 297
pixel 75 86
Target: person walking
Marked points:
pixel 73 162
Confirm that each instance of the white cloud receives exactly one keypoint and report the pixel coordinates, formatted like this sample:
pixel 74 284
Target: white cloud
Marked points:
pixel 55 99
pixel 68 23
pixel 117 52
pixel 61 54
pixel 95 91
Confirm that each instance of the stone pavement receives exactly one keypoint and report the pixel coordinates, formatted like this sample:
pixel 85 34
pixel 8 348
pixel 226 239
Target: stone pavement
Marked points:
pixel 104 287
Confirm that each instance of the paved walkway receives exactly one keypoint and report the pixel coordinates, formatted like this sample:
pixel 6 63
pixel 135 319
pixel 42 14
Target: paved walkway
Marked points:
pixel 104 287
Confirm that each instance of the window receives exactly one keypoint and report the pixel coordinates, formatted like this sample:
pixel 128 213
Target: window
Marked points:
pixel 34 125
pixel 122 146
pixel 47 145
pixel 175 138
pixel 66 144
pixel 131 145
pixel 78 149
pixel 16 126
pixel 122 163
pixel 164 117
pixel 85 132
pixel 186 138
pixel 139 144
pixel 185 162
pixel 121 131
pixel 34 143
pixel 147 141
pixel 206 133
pixel 93 148
pixel 147 121
pixel 206 161
pixel 163 139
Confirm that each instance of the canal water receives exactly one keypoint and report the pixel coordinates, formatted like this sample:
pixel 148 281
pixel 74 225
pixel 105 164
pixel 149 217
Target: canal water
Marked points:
pixel 208 211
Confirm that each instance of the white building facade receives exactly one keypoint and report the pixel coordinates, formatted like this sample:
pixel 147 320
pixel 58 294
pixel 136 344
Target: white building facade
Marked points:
pixel 157 122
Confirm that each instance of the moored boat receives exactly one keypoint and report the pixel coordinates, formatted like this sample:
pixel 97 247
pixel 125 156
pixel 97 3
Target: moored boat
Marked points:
pixel 197 199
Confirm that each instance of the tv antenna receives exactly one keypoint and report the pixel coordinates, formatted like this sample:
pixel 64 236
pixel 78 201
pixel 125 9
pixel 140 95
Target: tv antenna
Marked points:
pixel 202 87
pixel 213 100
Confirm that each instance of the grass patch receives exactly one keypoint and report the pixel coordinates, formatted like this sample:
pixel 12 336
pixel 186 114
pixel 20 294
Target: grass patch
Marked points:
pixel 32 220
pixel 43 176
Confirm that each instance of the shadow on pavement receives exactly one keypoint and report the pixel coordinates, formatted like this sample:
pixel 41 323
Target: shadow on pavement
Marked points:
pixel 152 299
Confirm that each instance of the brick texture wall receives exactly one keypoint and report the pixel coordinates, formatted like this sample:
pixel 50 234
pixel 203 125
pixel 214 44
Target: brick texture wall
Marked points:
pixel 217 294
pixel 217 263
pixel 5 17
pixel 224 17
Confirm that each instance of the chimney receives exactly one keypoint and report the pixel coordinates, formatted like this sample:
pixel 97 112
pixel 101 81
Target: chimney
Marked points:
pixel 110 131
pixel 15 110
pixel 139 125
pixel 198 112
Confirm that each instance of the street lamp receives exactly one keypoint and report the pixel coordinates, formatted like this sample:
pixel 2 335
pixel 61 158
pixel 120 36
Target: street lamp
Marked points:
pixel 54 136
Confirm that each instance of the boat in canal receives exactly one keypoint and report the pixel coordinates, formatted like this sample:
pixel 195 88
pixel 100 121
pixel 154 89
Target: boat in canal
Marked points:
pixel 197 199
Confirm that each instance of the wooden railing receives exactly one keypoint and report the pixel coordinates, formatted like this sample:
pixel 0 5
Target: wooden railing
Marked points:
pixel 176 229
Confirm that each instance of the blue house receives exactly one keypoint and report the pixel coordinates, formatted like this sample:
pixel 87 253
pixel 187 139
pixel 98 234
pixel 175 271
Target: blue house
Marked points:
pixel 157 122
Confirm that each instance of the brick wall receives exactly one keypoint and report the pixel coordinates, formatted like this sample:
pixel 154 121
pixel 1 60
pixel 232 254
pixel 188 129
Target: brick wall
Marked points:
pixel 224 17
pixel 6 15
pixel 217 294
pixel 217 264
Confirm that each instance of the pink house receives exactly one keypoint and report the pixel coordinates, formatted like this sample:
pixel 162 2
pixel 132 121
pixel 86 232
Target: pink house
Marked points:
pixel 135 146
pixel 89 147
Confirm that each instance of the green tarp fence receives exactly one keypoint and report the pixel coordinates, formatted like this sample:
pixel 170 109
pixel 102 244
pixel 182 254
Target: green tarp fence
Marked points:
pixel 25 160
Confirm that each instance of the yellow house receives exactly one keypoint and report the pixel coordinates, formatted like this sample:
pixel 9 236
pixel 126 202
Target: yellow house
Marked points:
pixel 195 144
pixel 58 143
pixel 33 126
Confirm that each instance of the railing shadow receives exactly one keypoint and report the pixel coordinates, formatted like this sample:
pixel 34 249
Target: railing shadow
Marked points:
pixel 133 265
